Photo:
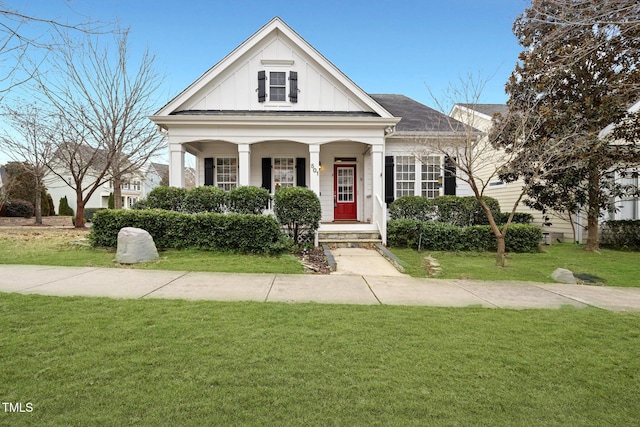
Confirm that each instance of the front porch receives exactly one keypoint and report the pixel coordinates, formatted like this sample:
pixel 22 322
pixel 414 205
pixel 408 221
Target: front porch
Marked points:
pixel 346 175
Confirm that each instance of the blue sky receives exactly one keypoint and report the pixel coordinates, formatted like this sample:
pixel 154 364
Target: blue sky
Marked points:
pixel 409 47
pixel 384 46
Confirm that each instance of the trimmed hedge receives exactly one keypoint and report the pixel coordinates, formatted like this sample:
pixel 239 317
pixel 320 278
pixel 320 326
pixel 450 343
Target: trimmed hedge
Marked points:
pixel 621 234
pixel 440 236
pixel 460 211
pixel 518 218
pixel 209 231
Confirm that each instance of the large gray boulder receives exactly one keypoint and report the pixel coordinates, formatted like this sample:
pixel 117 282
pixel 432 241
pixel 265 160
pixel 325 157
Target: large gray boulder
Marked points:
pixel 135 245
pixel 563 275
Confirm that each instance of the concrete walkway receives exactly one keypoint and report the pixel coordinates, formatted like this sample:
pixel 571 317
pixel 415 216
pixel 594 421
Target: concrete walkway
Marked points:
pixel 335 288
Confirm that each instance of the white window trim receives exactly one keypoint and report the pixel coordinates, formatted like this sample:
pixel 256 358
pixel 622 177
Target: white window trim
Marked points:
pixel 222 184
pixel 417 175
pixel 273 170
pixel 277 67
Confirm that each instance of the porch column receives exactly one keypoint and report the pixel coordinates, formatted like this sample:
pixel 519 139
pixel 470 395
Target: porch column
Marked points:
pixel 379 206
pixel 176 165
pixel 377 161
pixel 244 151
pixel 314 168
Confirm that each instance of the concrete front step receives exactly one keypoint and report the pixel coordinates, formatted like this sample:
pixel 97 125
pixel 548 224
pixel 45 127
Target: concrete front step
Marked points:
pixel 348 239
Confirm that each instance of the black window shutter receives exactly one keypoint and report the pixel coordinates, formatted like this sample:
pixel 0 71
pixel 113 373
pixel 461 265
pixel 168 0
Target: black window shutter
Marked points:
pixel 208 171
pixel 301 173
pixel 262 86
pixel 266 173
pixel 293 86
pixel 449 177
pixel 388 179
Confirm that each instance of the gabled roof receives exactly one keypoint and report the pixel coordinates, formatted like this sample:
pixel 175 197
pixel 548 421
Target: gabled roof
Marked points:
pixel 487 109
pixel 278 26
pixel 161 168
pixel 417 117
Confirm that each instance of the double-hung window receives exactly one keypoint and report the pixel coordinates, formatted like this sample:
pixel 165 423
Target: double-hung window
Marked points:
pixel 284 172
pixel 431 176
pixel 277 86
pixel 405 176
pixel 418 176
pixel 226 172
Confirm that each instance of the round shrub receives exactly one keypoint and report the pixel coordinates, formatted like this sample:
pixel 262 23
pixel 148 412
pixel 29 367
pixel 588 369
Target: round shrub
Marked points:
pixel 19 209
pixel 167 198
pixel 298 210
pixel 247 200
pixel 204 199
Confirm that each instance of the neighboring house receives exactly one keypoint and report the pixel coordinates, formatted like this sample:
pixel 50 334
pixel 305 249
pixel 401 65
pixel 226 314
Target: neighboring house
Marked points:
pixel 627 207
pixel 479 116
pixel 134 187
pixel 276 113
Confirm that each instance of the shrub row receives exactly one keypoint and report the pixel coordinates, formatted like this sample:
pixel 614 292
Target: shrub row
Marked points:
pixel 439 236
pixel 244 200
pixel 621 234
pixel 244 233
pixel 460 211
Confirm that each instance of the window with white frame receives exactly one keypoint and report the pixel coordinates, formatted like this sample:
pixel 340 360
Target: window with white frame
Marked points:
pixel 132 201
pixel 405 176
pixel 284 172
pixel 277 86
pixel 418 176
pixel 136 185
pixel 431 176
pixel 226 172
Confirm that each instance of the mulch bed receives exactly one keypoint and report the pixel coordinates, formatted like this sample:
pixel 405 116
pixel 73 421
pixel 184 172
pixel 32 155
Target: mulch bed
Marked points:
pixel 314 261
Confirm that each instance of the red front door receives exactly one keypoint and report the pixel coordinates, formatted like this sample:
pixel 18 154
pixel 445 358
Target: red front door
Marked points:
pixel 344 192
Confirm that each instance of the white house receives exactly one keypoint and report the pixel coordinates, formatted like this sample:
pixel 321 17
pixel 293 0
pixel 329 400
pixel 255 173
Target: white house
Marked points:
pixel 275 112
pixel 134 187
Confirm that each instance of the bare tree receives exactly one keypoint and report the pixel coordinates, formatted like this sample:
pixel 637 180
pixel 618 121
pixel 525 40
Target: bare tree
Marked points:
pixel 30 145
pixel 103 103
pixel 22 35
pixel 478 161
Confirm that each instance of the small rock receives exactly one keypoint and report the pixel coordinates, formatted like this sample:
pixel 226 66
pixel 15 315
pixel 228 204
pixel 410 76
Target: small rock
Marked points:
pixel 135 245
pixel 563 275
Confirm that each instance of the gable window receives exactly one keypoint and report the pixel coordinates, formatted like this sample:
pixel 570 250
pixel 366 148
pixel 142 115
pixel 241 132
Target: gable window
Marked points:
pixel 226 172
pixel 284 172
pixel 272 86
pixel 277 86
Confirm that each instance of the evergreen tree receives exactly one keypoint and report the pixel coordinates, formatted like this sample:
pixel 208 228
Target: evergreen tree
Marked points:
pixel 580 73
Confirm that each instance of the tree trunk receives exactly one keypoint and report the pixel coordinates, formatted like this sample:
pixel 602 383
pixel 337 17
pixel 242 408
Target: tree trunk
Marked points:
pixel 593 211
pixel 117 192
pixel 79 210
pixel 38 205
pixel 501 257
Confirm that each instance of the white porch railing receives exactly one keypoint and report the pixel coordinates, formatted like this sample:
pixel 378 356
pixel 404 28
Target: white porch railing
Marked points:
pixel 380 217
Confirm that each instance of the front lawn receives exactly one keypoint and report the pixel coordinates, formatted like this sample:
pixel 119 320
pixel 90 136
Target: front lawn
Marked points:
pixel 86 361
pixel 65 247
pixel 617 268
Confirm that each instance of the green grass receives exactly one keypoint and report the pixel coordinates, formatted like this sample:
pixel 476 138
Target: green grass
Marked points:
pixel 85 361
pixel 60 247
pixel 617 268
